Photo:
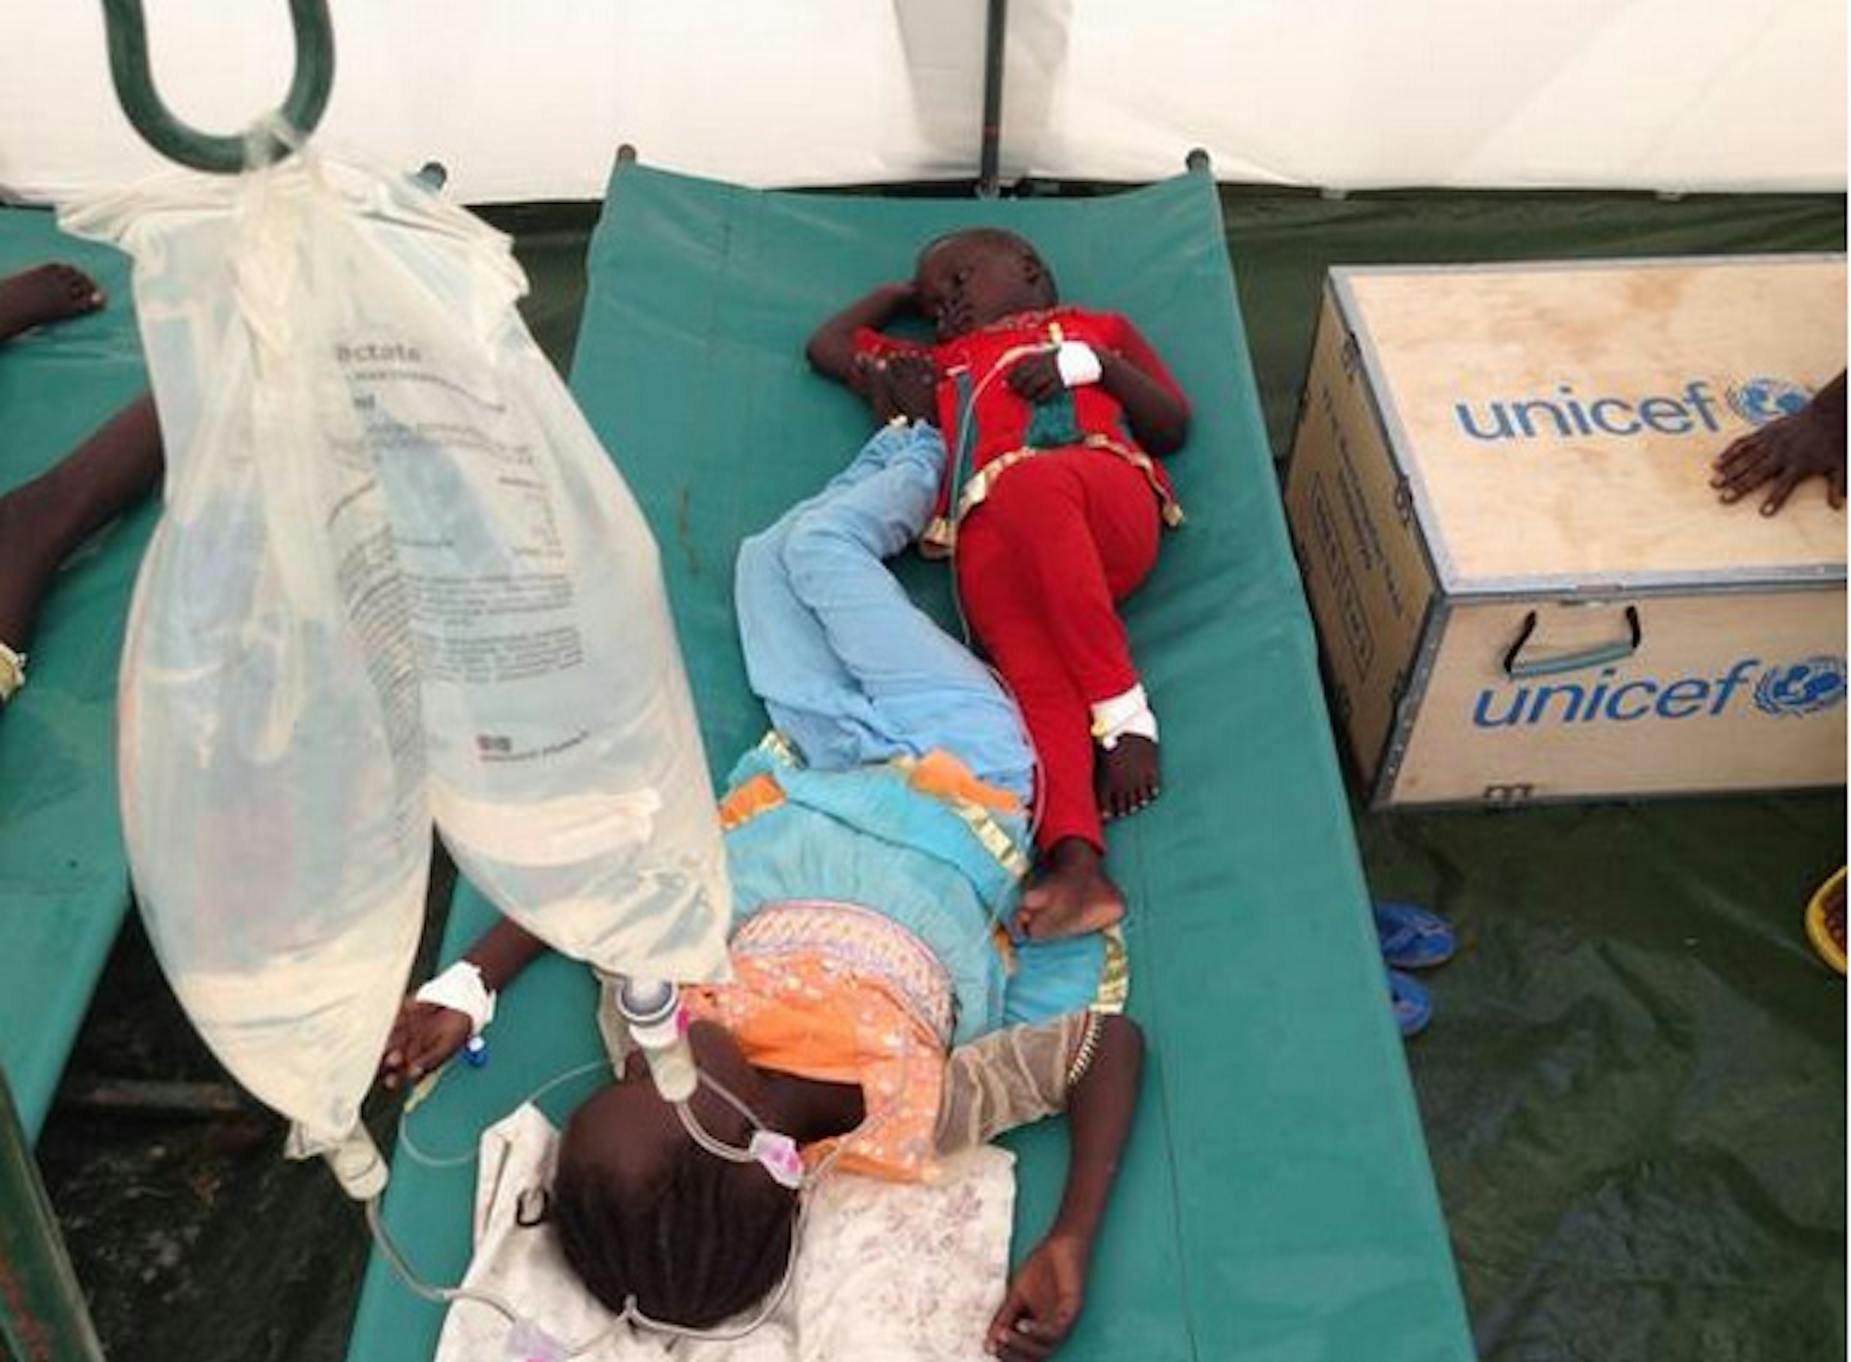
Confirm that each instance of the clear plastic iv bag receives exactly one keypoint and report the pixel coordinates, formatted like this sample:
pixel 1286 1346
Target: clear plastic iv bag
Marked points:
pixel 397 582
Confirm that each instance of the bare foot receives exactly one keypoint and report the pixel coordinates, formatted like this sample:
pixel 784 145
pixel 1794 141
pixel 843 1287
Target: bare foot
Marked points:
pixel 1128 778
pixel 1072 895
pixel 43 294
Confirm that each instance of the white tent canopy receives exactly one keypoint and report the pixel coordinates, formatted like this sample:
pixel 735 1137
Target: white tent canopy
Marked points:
pixel 529 100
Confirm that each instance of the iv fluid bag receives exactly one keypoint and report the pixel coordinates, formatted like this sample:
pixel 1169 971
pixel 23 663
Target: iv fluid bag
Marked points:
pixel 567 776
pixel 397 581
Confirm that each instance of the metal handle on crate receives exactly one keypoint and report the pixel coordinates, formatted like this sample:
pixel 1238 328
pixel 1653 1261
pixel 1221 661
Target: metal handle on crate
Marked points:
pixel 178 141
pixel 1598 655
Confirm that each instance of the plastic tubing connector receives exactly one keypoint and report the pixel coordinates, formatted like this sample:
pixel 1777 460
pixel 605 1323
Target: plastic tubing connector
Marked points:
pixel 652 1010
pixel 357 1165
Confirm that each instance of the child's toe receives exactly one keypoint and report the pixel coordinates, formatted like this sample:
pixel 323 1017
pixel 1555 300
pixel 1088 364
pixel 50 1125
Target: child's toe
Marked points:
pixel 80 286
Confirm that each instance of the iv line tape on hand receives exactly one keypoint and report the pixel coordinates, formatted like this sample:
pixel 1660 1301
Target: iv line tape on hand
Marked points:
pixel 461 989
pixel 1078 363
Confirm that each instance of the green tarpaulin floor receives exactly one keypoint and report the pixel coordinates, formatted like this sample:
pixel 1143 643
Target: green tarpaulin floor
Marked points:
pixel 1633 1091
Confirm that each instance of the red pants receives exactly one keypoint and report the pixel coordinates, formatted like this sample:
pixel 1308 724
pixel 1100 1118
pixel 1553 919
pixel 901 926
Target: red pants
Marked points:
pixel 1041 564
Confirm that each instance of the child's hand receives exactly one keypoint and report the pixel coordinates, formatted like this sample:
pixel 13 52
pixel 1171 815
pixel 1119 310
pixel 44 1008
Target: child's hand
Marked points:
pixel 1037 378
pixel 903 385
pixel 423 1037
pixel 1043 1302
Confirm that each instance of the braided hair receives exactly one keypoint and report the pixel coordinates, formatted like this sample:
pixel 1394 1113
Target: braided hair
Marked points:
pixel 694 1239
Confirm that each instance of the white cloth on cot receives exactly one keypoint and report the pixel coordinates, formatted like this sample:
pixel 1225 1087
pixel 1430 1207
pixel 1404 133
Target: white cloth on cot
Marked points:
pixel 903 1272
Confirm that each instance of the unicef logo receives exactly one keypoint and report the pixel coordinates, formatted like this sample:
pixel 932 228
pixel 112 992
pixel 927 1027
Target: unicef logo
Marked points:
pixel 1761 400
pixel 1806 687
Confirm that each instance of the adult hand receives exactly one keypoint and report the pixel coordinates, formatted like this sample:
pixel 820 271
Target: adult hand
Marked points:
pixel 424 1036
pixel 1037 378
pixel 1043 1302
pixel 1783 454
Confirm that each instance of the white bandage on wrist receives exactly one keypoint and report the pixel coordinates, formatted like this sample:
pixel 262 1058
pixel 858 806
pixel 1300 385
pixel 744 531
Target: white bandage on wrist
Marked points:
pixel 1078 363
pixel 461 988
pixel 1124 715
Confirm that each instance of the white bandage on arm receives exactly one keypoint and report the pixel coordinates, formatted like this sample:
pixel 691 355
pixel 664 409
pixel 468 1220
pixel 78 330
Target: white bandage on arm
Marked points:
pixel 1122 715
pixel 461 988
pixel 1078 363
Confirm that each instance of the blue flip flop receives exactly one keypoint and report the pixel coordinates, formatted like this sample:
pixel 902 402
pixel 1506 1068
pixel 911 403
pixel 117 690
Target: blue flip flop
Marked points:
pixel 1412 937
pixel 1413 1004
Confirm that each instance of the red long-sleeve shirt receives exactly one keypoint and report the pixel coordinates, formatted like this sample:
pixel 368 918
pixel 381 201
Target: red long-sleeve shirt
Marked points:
pixel 988 426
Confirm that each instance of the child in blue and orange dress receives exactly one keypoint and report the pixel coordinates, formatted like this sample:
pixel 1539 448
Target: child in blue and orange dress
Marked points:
pixel 1053 506
pixel 874 844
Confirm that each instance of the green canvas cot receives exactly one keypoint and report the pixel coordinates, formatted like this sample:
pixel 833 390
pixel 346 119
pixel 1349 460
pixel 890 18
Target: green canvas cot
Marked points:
pixel 64 884
pixel 1276 1203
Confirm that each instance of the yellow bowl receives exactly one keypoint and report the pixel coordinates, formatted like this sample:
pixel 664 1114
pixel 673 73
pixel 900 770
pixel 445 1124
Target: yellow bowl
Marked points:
pixel 1829 950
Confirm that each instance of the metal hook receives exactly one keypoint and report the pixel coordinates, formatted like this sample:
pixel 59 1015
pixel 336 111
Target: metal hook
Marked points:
pixel 178 141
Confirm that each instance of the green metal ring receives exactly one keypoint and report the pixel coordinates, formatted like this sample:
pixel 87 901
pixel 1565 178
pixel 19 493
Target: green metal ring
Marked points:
pixel 178 141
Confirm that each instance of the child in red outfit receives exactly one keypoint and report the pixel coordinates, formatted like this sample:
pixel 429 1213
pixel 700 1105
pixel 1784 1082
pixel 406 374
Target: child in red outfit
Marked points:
pixel 1053 506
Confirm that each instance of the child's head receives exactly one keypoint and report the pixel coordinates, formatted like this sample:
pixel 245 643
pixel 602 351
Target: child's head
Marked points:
pixel 966 280
pixel 642 1213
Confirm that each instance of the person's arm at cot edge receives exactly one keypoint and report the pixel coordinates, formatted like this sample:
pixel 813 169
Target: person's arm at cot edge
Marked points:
pixel 425 1035
pixel 1045 1295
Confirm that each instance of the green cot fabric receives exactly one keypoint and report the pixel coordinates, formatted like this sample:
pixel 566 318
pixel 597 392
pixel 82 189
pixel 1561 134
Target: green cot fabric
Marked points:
pixel 1276 1202
pixel 63 874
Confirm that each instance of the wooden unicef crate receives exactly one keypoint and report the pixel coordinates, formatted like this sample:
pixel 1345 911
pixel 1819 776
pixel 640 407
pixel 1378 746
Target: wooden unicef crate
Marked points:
pixel 1524 585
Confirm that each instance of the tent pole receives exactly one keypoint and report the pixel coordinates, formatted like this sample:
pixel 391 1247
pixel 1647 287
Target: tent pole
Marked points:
pixel 988 154
pixel 43 1317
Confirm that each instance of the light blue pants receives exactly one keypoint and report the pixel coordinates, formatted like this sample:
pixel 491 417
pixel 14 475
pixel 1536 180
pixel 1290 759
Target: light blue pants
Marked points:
pixel 850 670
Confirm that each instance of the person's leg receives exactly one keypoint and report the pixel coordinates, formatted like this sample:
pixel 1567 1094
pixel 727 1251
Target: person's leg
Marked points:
pixel 1083 554
pixel 1071 893
pixel 44 294
pixel 1086 526
pixel 810 696
pixel 44 521
pixel 849 668
pixel 1125 528
pixel 926 690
